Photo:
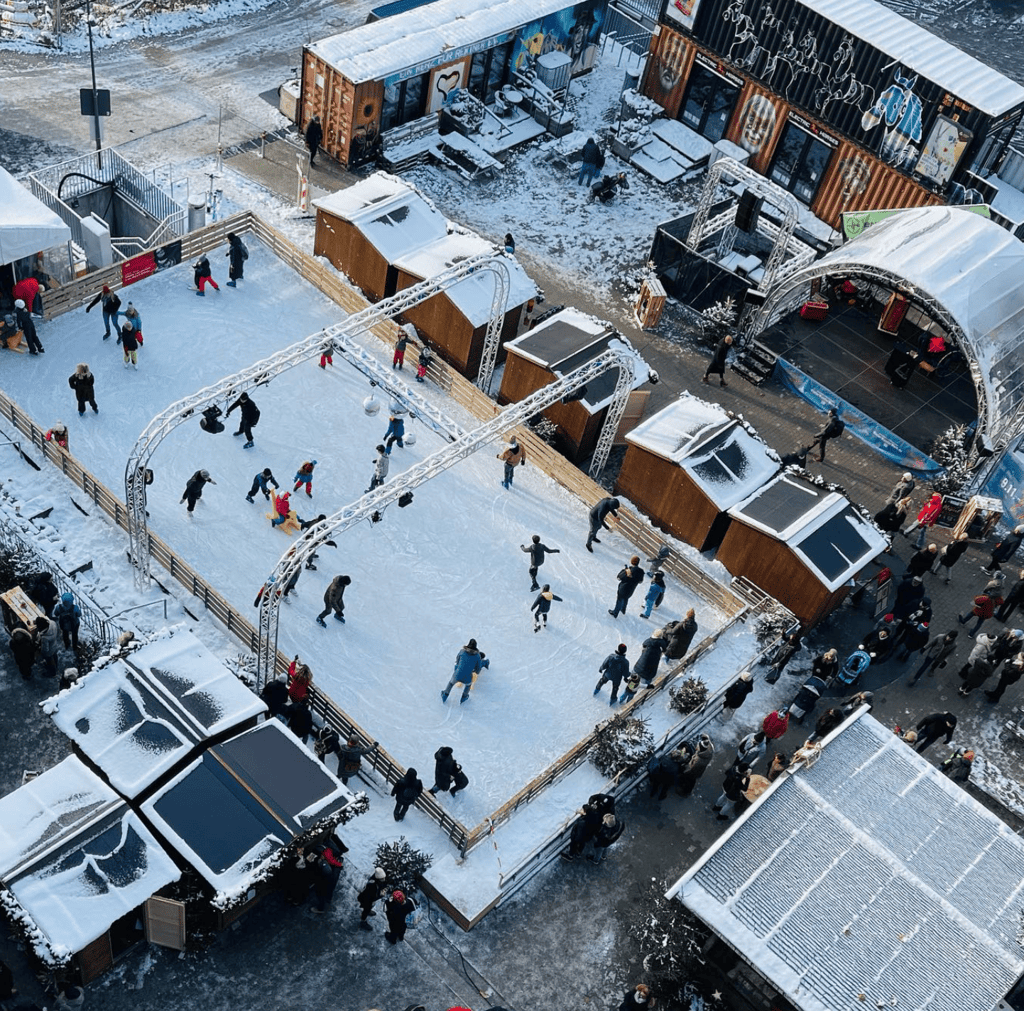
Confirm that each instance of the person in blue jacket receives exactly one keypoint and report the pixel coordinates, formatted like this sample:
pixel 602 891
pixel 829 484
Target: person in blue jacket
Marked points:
pixel 68 616
pixel 261 482
pixel 655 592
pixel 395 433
pixel 468 661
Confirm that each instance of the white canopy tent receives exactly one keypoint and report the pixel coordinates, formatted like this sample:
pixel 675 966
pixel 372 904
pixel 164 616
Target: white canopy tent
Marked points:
pixel 27 225
pixel 965 270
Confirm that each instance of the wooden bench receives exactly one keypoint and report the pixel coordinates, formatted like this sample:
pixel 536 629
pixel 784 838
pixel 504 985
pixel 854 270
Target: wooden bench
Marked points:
pixel 18 609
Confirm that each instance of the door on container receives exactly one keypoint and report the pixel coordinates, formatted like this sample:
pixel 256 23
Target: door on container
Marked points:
pixel 800 163
pixel 708 103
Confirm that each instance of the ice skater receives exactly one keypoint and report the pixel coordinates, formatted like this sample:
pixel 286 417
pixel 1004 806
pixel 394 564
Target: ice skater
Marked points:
pixel 395 432
pixel 237 255
pixel 512 456
pixel 655 594
pixel 133 316
pixel 83 382
pixel 194 488
pixel 398 359
pixel 541 606
pixel 598 519
pixel 614 668
pixel 630 577
pixel 334 600
pixel 380 469
pixel 469 661
pixel 304 476
pixel 282 509
pixel 422 364
pixel 537 551
pixel 261 483
pixel 111 308
pixel 28 327
pixel 250 417
pixel 202 275
pixel 406 792
pixel 129 342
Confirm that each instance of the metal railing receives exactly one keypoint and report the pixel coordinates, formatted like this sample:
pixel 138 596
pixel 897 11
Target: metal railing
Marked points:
pixel 66 213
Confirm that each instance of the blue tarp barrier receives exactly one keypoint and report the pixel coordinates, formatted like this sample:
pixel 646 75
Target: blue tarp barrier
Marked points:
pixel 1006 482
pixel 880 439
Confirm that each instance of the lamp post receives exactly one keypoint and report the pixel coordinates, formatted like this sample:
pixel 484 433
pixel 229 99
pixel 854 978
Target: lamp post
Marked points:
pixel 95 96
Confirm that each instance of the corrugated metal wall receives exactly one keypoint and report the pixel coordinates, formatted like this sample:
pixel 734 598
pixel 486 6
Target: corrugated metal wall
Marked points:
pixel 667 70
pixel 757 124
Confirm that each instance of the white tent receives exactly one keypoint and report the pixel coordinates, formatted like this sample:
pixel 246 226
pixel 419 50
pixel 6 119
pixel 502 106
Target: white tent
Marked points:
pixel 27 225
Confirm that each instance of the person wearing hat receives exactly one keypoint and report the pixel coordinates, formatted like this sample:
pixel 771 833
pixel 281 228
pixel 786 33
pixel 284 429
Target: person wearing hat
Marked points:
pixel 28 327
pixel 775 724
pixel 381 465
pixel 751 749
pixel 350 758
pixel 904 487
pixel 396 431
pixel 650 656
pixel 608 831
pixel 1002 552
pixel 537 550
pixel 111 308
pixel 913 639
pixel 468 661
pixel 47 638
pixel 275 695
pixel 542 606
pixel 716 367
pixel 614 668
pixel 261 483
pixel 304 476
pixel 194 488
pixel 58 434
pixel 397 909
pixel 958 766
pixel 638 997
pixel 512 456
pixel 83 382
pixel 129 341
pixel 655 594
pixel 630 577
pixel 878 644
pixel 374 889
pixel 931 728
pixel 696 766
pixel 68 616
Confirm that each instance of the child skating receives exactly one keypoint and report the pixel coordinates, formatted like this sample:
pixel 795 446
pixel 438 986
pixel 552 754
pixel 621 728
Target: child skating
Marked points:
pixel 541 606
pixel 380 469
pixel 304 476
pixel 261 482
pixel 655 593
pixel 422 364
pixel 202 275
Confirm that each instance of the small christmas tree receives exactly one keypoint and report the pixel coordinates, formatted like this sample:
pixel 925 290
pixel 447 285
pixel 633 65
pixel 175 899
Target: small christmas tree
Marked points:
pixel 719 320
pixel 951 450
pixel 689 696
pixel 771 625
pixel 622 746
pixel 403 866
pixel 546 429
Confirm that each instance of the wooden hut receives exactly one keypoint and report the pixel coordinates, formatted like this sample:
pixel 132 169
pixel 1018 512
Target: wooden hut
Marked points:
pixel 687 465
pixel 563 342
pixel 365 228
pixel 455 321
pixel 800 543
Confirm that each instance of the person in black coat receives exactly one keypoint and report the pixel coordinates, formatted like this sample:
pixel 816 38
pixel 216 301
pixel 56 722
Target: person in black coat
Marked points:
pixel 23 646
pixel 878 645
pixel 194 488
pixel 908 594
pixel 202 274
pixel 716 366
pixel 833 428
pixel 1002 552
pixel 614 668
pixel 300 719
pixel 662 771
pixel 650 655
pixel 798 458
pixel 1013 598
pixel 327 742
pixel 891 517
pixel 608 831
pixel 27 326
pixel 1010 675
pixel 737 779
pixel 598 519
pixel 406 792
pixel 931 728
pixel 679 635
pixel 923 561
pixel 372 892
pixel 275 695
pixel 297 875
pixel 325 877
pixel 787 650
pixel 826 665
pixel 397 909
pixel 111 308
pixel 444 770
pixel 537 551
pixel 350 758
pixel 40 590
pixel 237 255
pixel 630 577
pixel 250 417
pixel 914 639
pixel 314 138
pixel 736 694
pixel 83 382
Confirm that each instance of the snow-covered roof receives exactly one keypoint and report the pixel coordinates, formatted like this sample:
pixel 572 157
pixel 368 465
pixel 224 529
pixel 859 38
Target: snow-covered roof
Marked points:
pixel 821 527
pixel 970 266
pixel 868 880
pixel 75 857
pixel 571 338
pixel 473 296
pixel 917 49
pixel 27 225
pixel 430 36
pixel 138 718
pixel 232 809
pixel 394 217
pixel 720 454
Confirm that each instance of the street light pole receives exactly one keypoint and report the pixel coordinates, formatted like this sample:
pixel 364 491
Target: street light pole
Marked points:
pixel 95 96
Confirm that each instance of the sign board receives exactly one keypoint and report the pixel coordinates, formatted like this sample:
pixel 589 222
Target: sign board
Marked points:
pixel 102 102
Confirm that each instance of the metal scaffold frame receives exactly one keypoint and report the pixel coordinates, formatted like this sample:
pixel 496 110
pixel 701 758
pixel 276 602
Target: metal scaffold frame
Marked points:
pixel 339 338
pixel 374 502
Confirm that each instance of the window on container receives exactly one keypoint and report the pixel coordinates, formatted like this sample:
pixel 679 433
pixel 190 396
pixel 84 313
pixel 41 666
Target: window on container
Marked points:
pixel 478 75
pixel 992 148
pixel 800 163
pixel 708 103
pixel 390 110
pixel 415 98
pixel 498 68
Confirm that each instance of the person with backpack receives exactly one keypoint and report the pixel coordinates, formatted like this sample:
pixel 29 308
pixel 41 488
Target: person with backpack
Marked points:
pixel 237 254
pixel 111 308
pixel 249 420
pixel 833 429
pixel 350 758
pixel 327 742
pixel 68 616
pixel 328 870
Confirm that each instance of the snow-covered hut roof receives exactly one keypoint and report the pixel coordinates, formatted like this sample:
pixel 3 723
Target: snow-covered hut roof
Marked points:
pixel 138 718
pixel 412 43
pixel 831 537
pixel 76 857
pixel 394 217
pixel 973 268
pixel 238 804
pixel 27 225
pixel 474 295
pixel 868 879
pixel 719 453
pixel 571 338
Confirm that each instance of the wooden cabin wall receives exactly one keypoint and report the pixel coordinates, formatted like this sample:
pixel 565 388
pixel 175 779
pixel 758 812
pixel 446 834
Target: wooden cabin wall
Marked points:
pixel 520 378
pixel 448 331
pixel 350 251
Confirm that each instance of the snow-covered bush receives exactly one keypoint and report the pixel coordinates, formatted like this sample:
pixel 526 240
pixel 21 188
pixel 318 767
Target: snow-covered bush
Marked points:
pixel 546 430
pixel 689 696
pixel 951 450
pixel 622 746
pixel 403 865
pixel 771 625
pixel 720 320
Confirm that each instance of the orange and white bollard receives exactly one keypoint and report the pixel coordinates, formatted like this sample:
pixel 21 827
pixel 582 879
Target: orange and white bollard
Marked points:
pixel 303 193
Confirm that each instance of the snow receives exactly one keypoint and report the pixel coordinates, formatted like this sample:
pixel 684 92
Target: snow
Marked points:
pixel 75 858
pixel 137 720
pixel 674 430
pixel 824 890
pixel 691 145
pixel 27 225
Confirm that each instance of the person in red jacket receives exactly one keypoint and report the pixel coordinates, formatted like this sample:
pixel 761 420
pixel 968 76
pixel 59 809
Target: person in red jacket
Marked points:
pixel 300 677
pixel 983 609
pixel 925 519
pixel 775 724
pixel 283 507
pixel 27 289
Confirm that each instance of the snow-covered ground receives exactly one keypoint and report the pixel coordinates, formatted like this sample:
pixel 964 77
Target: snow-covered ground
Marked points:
pixel 424 580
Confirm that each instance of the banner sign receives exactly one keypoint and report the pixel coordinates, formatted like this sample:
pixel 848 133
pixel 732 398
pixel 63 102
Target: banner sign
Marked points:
pixel 880 439
pixel 854 222
pixel 137 268
pixel 1006 483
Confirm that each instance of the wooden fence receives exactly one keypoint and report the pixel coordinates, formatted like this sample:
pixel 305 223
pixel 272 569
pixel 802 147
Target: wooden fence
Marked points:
pixel 632 526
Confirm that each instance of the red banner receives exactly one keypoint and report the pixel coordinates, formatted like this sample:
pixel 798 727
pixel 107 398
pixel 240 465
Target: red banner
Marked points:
pixel 137 268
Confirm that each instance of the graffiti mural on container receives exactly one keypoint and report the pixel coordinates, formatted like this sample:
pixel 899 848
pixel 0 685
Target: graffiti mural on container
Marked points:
pixel 840 84
pixel 900 109
pixel 665 77
pixel 757 123
pixel 575 30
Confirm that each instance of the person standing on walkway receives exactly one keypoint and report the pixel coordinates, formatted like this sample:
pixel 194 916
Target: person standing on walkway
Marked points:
pixel 716 367
pixel 325 881
pixel 512 456
pixel 599 517
pixel 787 650
pixel 891 517
pixel 68 616
pixel 630 577
pixel 406 792
pixel 83 382
pixel 610 830
pixel 397 910
pixel 650 655
pixel 655 594
pixel 111 308
pixel 696 766
pixel 592 163
pixel 679 635
pixel 923 560
pixel 904 487
pixel 952 553
pixel 374 889
pixel 47 638
pixel 936 654
pixel 381 465
pixel 1005 549
pixel 931 728
pixel 735 695
pixel 202 275
pixel 28 327
pixel 468 662
pixel 261 483
pixel 541 606
pixel 751 749
pixel 398 358
pixel 334 600
pixel 614 668
pixel 737 779
pixel 913 639
pixel 314 138
pixel 832 429
pixel 926 517
pixel 194 488
pixel 662 771
pixel 775 724
pixel 250 417
pixel 23 646
pixel 537 550
pixel 1013 598
pixel 984 607
pixel 350 758
pixel 237 255
pixel 1010 675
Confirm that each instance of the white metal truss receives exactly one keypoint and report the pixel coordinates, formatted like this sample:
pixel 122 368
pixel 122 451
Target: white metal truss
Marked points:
pixel 701 228
pixel 492 338
pixel 337 338
pixel 364 508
